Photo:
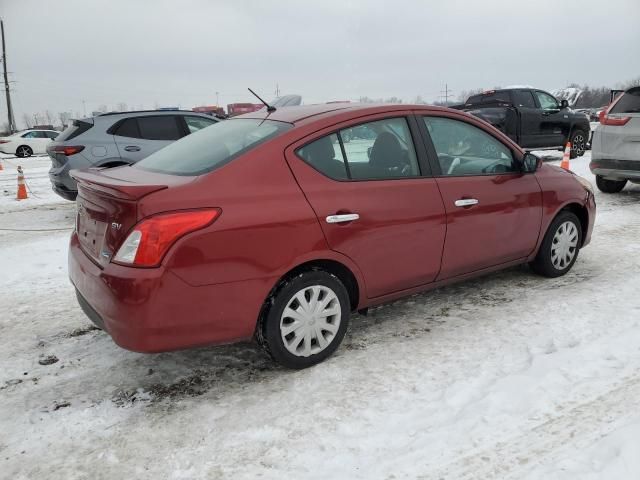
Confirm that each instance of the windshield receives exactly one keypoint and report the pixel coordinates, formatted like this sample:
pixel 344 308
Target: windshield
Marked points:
pixel 212 147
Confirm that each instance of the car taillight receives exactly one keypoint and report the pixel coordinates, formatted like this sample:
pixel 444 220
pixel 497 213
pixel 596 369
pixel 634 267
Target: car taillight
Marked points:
pixel 609 120
pixel 67 150
pixel 149 241
pixel 4 141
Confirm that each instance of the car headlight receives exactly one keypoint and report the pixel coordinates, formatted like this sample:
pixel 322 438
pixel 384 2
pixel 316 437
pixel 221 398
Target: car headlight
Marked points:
pixel 585 183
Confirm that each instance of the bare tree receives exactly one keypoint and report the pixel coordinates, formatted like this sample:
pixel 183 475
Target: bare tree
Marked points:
pixel 49 117
pixel 121 107
pixel 27 120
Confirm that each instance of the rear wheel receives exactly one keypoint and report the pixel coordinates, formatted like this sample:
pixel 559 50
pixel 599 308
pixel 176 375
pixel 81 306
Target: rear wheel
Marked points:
pixel 609 186
pixel 560 247
pixel 24 151
pixel 306 319
pixel 578 143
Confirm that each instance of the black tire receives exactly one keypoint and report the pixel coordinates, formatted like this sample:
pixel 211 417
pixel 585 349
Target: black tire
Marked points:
pixel 578 143
pixel 543 263
pixel 269 327
pixel 610 186
pixel 24 151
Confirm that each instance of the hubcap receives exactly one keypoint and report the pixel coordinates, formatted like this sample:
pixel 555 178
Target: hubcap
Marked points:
pixel 578 144
pixel 564 245
pixel 310 321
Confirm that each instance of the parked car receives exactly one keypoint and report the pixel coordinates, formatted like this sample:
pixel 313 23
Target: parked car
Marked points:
pixel 533 118
pixel 269 225
pixel 27 142
pixel 615 156
pixel 113 139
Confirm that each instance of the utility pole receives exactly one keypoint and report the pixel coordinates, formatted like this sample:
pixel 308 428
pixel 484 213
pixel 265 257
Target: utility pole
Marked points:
pixel 217 99
pixel 446 93
pixel 12 121
pixel 84 107
pixel 277 90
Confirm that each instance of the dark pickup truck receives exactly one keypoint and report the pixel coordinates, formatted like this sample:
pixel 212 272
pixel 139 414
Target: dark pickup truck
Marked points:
pixel 534 119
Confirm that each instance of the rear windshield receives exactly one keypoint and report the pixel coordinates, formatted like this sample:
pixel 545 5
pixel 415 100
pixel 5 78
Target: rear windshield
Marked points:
pixel 212 147
pixel 628 103
pixel 76 128
pixel 489 97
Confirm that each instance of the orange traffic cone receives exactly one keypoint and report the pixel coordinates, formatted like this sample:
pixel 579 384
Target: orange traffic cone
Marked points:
pixel 565 157
pixel 22 187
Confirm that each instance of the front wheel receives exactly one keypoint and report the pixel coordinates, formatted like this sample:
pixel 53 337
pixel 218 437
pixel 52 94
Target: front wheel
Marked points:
pixel 24 151
pixel 578 143
pixel 609 186
pixel 306 319
pixel 560 247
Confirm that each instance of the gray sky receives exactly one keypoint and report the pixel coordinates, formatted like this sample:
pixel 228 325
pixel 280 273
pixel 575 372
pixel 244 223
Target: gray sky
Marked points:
pixel 180 53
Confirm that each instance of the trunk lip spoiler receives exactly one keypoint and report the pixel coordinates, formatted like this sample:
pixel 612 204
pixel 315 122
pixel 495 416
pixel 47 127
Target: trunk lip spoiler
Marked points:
pixel 112 187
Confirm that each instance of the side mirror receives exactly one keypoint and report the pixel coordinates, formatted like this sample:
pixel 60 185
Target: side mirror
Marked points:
pixel 564 104
pixel 530 163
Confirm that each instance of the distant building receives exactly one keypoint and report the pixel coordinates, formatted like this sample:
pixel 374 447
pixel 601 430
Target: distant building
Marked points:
pixel 240 108
pixel 210 109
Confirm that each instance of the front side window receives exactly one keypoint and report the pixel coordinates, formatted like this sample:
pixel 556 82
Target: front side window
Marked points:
pixel 210 148
pixel 372 151
pixel 464 149
pixel 198 123
pixel 546 101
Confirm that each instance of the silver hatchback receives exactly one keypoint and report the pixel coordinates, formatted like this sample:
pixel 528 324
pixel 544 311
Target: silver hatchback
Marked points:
pixel 114 139
pixel 615 147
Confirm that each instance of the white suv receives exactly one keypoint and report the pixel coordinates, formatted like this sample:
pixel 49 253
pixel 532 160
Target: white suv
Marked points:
pixel 615 148
pixel 28 142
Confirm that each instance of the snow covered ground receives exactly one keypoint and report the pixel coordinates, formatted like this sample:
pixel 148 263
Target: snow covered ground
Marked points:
pixel 507 376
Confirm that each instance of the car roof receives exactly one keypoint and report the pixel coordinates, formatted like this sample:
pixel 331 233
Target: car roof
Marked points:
pixel 303 113
pixel 148 113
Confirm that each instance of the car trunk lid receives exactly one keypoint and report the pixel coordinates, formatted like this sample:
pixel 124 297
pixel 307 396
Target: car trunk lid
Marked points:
pixel 107 206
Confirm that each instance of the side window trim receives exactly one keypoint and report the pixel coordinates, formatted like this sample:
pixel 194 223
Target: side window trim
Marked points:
pixel 433 156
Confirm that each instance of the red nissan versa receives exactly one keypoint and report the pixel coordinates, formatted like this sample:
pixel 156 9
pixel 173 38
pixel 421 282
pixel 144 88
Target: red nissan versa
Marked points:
pixel 270 225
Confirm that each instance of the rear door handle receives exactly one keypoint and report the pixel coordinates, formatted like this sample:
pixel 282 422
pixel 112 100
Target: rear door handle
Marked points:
pixel 466 202
pixel 346 217
pixel 132 148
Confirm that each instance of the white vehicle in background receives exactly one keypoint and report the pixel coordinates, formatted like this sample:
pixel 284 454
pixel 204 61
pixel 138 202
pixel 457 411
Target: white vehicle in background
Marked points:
pixel 615 149
pixel 27 142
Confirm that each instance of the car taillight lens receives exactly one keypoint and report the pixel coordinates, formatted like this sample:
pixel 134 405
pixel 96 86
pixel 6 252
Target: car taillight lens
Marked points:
pixel 149 241
pixel 609 120
pixel 4 141
pixel 67 150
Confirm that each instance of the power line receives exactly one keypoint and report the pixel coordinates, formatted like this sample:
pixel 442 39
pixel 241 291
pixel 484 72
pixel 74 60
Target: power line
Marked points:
pixel 446 93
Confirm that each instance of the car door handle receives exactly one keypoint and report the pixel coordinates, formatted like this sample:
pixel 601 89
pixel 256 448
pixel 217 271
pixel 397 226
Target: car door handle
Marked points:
pixel 346 217
pixel 465 202
pixel 132 148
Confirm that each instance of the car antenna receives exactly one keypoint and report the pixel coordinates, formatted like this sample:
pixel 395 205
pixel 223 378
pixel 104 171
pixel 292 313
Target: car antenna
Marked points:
pixel 270 108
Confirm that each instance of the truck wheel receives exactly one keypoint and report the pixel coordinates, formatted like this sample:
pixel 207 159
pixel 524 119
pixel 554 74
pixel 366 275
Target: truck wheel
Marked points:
pixel 578 143
pixel 609 186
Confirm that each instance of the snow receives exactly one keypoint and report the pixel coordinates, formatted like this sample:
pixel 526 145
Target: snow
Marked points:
pixel 507 376
pixel 570 94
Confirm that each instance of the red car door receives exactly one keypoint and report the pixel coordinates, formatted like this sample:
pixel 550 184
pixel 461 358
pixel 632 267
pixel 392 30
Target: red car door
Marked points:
pixel 494 211
pixel 373 199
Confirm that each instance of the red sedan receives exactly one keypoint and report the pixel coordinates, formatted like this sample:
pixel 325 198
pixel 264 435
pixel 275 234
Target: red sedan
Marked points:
pixel 278 225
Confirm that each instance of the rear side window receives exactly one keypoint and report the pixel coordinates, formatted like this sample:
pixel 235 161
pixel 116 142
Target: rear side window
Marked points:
pixel 159 128
pixel 524 98
pixel 489 97
pixel 628 103
pixel 128 128
pixel 77 127
pixel 371 151
pixel 212 147
pixel 52 135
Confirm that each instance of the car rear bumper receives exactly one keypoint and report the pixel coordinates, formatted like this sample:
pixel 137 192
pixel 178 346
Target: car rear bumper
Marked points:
pixel 615 169
pixel 154 310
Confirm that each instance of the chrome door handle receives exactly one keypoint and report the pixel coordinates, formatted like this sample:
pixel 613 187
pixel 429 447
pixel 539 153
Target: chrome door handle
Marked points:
pixel 465 202
pixel 347 217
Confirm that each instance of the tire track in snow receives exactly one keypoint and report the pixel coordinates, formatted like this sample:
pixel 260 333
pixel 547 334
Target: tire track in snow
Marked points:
pixel 513 457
